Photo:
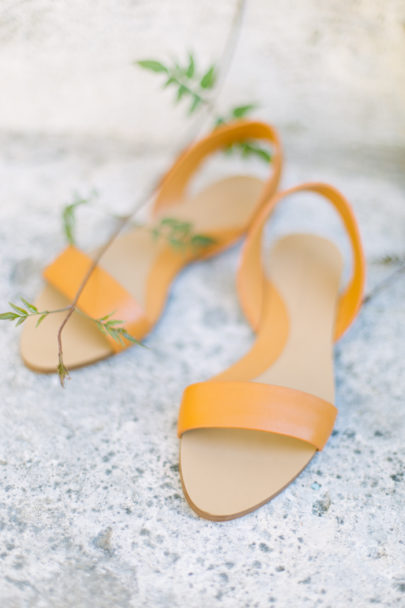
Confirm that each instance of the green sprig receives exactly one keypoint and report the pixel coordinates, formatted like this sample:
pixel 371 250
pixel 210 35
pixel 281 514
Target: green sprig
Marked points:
pixel 69 215
pixel 63 372
pixel 190 84
pixel 114 329
pixel 185 78
pixel 246 148
pixel 179 234
pixel 20 314
pixel 107 325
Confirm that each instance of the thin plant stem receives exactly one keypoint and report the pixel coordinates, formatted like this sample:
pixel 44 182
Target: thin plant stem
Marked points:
pixel 384 283
pixel 222 70
pixel 47 312
pixel 209 102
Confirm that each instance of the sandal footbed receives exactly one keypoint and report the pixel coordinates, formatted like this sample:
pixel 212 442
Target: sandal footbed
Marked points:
pixel 229 472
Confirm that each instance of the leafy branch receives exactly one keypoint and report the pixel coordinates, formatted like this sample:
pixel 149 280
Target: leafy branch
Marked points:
pixel 185 78
pixel 20 314
pixel 190 84
pixel 113 328
pixel 106 325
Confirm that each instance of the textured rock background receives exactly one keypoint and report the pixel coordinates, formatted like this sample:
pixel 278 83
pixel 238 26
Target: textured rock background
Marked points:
pixel 91 508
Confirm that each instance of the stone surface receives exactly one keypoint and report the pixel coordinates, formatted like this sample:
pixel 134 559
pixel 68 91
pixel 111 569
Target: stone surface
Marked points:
pixel 91 507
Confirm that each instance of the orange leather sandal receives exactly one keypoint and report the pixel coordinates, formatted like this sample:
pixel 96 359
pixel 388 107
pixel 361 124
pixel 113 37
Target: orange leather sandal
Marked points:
pixel 248 432
pixel 134 275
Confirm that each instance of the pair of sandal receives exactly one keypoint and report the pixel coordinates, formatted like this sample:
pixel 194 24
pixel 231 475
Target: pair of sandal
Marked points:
pixel 248 432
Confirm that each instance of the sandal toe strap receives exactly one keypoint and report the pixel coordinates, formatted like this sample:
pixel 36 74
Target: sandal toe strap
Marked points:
pixel 260 407
pixel 102 295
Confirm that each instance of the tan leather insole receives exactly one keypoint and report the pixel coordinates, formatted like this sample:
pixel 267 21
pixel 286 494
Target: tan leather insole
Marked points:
pixel 229 472
pixel 226 204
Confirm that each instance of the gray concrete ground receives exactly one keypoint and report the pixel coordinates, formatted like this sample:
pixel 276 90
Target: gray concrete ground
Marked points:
pixel 91 507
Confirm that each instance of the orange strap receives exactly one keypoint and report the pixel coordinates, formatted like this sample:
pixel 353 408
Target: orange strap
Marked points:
pixel 176 180
pixel 102 294
pixel 251 278
pixel 258 407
